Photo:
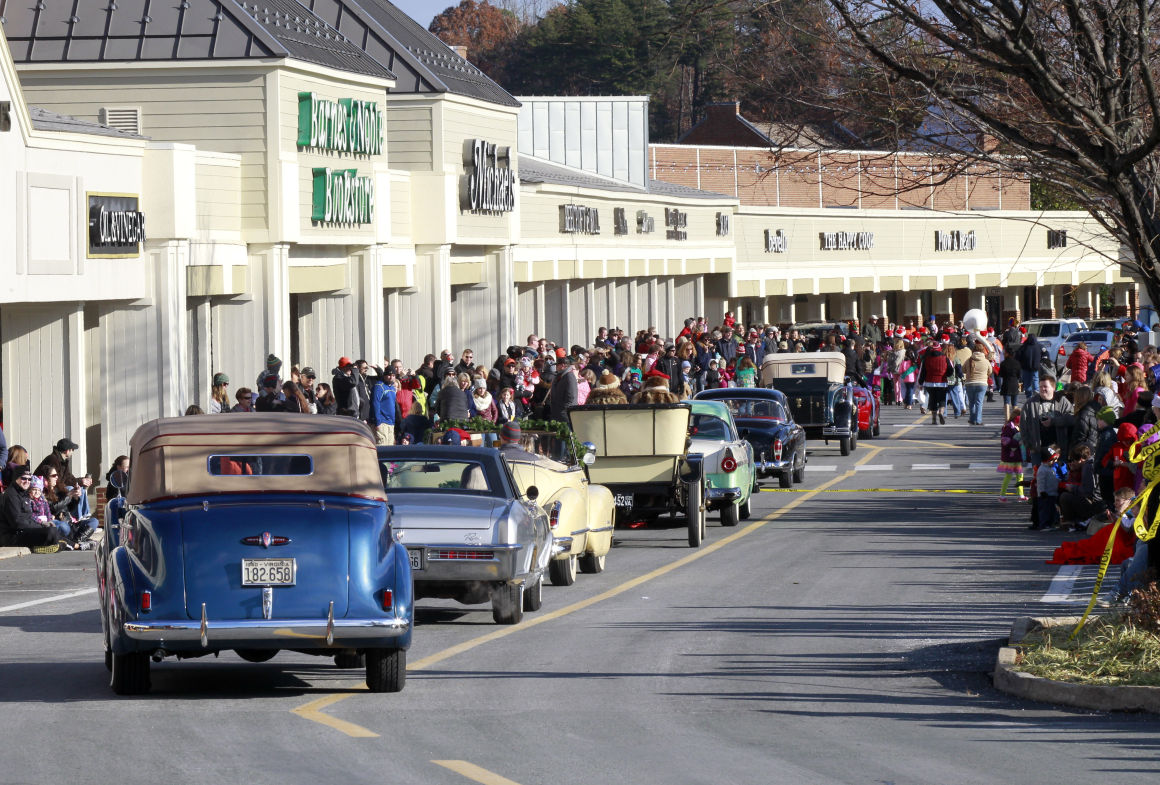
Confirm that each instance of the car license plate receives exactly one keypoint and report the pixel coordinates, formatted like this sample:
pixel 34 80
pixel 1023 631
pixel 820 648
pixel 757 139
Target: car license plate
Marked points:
pixel 623 500
pixel 269 572
pixel 416 557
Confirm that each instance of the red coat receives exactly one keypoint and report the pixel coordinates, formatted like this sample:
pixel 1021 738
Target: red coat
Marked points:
pixel 935 368
pixel 1078 363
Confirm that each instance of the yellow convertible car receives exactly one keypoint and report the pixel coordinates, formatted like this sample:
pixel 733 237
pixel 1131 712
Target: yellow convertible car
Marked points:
pixel 579 511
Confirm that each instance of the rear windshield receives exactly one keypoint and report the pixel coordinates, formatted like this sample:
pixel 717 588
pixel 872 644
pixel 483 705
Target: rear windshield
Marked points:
pixel 1089 338
pixel 1044 329
pixel 458 476
pixel 706 426
pixel 265 465
pixel 755 410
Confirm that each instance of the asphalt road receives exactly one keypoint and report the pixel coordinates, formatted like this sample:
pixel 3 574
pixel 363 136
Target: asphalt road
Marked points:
pixel 844 634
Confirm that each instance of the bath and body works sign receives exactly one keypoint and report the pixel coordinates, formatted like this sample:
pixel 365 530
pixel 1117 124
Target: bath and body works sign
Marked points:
pixel 116 227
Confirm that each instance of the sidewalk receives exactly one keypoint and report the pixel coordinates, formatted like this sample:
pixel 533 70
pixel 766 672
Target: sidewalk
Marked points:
pixel 11 553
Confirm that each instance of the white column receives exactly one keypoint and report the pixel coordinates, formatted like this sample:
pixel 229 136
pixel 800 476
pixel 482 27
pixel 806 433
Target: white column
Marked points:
pixel 765 310
pixel 670 318
pixel 1047 297
pixel 1122 299
pixel 541 319
pixel 202 361
pixel 76 406
pixel 1013 301
pixel 176 385
pixel 565 337
pixel 1085 298
pixel 507 296
pixel 437 261
pixel 946 301
pixel 590 321
pixel 369 265
pixel 883 307
pixel 699 295
pixel 276 296
pixel 393 326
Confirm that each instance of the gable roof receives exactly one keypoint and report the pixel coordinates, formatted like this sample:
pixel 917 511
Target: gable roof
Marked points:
pixel 538 171
pixel 422 63
pixel 99 31
pixel 826 136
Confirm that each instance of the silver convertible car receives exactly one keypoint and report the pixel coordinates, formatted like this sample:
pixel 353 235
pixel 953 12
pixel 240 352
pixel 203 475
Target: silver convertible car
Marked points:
pixel 470 534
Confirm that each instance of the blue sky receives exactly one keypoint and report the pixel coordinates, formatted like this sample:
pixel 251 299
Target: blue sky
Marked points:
pixel 423 11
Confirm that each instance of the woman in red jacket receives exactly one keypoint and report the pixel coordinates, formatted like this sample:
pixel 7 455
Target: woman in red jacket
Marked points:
pixel 1079 363
pixel 932 376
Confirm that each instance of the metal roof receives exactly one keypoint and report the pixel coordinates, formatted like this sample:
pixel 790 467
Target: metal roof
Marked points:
pixel 44 120
pixel 99 31
pixel 422 63
pixel 535 170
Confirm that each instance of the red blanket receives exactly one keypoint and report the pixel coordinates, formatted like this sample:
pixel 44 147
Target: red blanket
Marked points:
pixel 1091 550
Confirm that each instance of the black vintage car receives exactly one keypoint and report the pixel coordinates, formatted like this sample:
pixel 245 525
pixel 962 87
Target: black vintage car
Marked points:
pixel 820 398
pixel 764 420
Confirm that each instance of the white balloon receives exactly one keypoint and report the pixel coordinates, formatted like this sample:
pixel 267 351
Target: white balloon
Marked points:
pixel 975 320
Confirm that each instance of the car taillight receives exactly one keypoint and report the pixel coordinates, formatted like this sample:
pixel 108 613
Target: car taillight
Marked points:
pixel 728 463
pixel 1061 351
pixel 146 601
pixel 777 447
pixel 554 515
pixel 388 599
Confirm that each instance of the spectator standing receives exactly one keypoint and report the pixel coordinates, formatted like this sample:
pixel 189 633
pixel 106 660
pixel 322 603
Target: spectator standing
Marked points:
pixel 507 409
pixel 976 371
pixel 219 397
pixel 245 400
pixel 1079 363
pixel 871 332
pixel 345 386
pixel 1011 457
pixel 1010 376
pixel 934 369
pixel 466 363
pixel 306 381
pixel 564 392
pixel 1030 356
pixel 325 400
pixel 384 408
pixel 482 402
pixel 453 394
pixel 1047 419
pixel 1047 483
pixel 294 401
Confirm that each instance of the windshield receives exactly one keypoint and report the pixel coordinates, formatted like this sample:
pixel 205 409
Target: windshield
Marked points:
pixel 706 426
pixel 755 410
pixel 1043 329
pixel 1089 338
pixel 459 476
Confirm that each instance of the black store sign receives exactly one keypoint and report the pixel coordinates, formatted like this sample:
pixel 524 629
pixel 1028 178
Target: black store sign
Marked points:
pixel 116 226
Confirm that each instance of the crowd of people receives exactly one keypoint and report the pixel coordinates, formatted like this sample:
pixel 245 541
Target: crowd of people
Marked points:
pixel 46 508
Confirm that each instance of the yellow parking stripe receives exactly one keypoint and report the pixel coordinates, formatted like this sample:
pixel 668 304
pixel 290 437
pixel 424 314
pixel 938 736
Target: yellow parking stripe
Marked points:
pixel 875 490
pixel 910 427
pixel 311 711
pixel 473 772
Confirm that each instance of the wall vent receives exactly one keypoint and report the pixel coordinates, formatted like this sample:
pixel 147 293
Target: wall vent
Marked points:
pixel 123 118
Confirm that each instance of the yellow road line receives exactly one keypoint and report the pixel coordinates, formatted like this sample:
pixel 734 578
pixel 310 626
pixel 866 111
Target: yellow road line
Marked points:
pixel 311 711
pixel 473 772
pixel 925 443
pixel 910 427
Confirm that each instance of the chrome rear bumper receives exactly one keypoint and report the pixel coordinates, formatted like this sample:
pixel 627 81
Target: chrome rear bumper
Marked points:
pixel 292 632
pixel 501 566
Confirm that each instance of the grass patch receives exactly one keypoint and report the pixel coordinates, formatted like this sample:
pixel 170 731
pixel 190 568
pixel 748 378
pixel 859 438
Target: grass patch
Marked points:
pixel 1110 650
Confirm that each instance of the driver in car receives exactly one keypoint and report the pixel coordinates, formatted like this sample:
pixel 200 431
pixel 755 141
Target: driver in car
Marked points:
pixel 509 442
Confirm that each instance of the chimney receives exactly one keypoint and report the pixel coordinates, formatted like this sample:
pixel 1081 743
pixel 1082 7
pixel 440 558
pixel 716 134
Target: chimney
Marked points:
pixel 726 111
pixel 461 51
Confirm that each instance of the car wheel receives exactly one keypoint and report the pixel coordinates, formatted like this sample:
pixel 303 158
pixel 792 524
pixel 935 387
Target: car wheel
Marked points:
pixel 853 437
pixel 534 595
pixel 507 606
pixel 562 571
pixel 877 430
pixel 799 474
pixel 108 661
pixel 744 510
pixel 845 445
pixel 129 673
pixel 256 654
pixel 386 670
pixel 785 479
pixel 350 658
pixel 695 515
pixel 591 563
pixel 729 515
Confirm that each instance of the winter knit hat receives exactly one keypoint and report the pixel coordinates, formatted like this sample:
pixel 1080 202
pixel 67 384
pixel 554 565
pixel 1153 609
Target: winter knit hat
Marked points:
pixel 37 483
pixel 220 378
pixel 273 364
pixel 1107 414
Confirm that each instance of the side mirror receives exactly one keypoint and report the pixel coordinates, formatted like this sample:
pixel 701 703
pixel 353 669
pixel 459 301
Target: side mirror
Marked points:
pixel 532 493
pixel 119 480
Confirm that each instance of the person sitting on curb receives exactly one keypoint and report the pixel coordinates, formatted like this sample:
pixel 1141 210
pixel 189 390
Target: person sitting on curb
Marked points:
pixel 60 460
pixel 19 526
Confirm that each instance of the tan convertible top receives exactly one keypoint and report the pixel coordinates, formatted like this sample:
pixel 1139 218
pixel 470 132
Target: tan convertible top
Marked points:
pixel 804 365
pixel 170 457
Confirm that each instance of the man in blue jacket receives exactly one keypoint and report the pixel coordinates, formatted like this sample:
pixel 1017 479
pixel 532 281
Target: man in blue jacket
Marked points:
pixel 383 408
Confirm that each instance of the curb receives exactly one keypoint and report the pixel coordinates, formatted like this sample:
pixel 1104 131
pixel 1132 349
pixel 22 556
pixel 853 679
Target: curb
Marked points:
pixel 9 553
pixel 1087 696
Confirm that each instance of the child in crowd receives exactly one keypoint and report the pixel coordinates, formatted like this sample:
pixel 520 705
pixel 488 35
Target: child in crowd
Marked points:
pixel 1047 485
pixel 1011 457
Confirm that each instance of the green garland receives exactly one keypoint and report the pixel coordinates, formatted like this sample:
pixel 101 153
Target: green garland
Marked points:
pixel 478 424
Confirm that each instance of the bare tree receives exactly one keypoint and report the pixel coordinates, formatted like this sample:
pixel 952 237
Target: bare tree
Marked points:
pixel 1064 90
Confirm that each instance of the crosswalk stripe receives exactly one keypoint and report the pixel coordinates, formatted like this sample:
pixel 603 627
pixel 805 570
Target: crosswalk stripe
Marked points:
pixel 813 468
pixel 981 466
pixel 931 467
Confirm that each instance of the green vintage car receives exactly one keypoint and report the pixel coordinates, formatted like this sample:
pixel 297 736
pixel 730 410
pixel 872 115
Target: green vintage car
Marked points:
pixel 727 460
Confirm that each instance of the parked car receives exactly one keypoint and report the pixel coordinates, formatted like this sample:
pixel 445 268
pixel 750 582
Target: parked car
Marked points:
pixel 1096 340
pixel 1051 333
pixel 763 418
pixel 726 461
pixel 580 512
pixel 470 533
pixel 256 534
pixel 643 457
pixel 814 334
pixel 820 398
pixel 868 407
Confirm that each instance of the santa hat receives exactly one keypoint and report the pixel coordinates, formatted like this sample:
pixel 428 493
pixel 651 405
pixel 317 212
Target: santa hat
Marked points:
pixel 655 374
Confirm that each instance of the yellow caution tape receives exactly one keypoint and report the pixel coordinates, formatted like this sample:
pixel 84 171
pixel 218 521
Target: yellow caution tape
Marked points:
pixel 1104 562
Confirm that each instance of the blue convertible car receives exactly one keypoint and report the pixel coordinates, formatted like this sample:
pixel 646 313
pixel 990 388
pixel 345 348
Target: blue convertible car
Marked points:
pixel 254 533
